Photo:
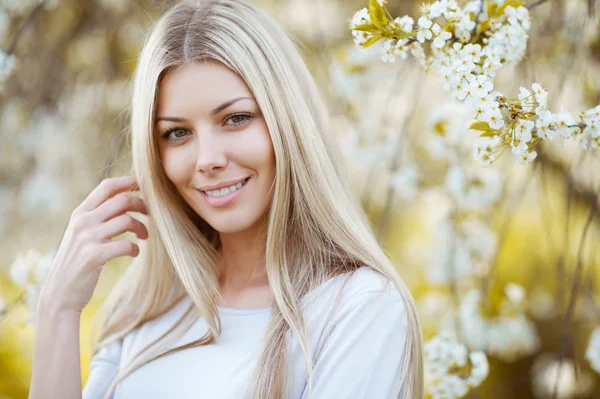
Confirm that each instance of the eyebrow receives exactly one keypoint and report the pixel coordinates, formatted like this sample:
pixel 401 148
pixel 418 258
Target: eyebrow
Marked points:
pixel 213 112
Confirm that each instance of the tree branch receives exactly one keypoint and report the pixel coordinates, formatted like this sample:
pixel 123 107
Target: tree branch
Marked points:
pixel 581 193
pixel 574 292
pixel 535 4
pixel 21 28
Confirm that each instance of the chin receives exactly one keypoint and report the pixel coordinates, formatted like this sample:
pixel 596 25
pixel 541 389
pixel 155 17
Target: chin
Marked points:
pixel 229 228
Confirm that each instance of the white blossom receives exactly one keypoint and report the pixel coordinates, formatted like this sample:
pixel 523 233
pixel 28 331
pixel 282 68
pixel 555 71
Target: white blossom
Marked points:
pixel 463 250
pixel 23 266
pixel 360 17
pixel 474 189
pixel 392 48
pixel 8 64
pixel 450 369
pixel 405 23
pixel 440 36
pixel 29 271
pixel 523 130
pixel 592 353
pixel 18 6
pixel 547 371
pixel 405 180
pixel 366 155
pixel 541 95
pixel 480 85
pixel 509 334
pixel 486 150
pixel 514 292
pixel 424 32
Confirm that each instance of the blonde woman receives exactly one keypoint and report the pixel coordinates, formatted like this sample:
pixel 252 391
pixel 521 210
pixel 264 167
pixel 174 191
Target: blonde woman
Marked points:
pixel 258 275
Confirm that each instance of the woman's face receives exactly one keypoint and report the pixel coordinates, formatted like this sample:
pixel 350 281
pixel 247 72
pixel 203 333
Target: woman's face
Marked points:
pixel 211 134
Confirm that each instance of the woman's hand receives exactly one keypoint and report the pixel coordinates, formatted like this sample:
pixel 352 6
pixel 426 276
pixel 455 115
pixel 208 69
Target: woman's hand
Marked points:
pixel 87 246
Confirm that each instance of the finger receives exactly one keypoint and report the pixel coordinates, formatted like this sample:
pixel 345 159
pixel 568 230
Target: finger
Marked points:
pixel 107 189
pixel 121 224
pixel 117 248
pixel 118 205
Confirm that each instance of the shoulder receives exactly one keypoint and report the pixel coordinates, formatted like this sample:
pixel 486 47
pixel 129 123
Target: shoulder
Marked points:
pixel 364 290
pixel 364 281
pixel 367 281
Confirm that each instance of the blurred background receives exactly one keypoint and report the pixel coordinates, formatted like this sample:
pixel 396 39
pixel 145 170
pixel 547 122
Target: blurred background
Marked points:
pixel 510 234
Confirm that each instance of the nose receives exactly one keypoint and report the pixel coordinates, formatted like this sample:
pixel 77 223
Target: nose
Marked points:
pixel 211 156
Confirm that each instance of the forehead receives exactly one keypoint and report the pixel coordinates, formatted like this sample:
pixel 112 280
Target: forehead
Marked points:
pixel 199 85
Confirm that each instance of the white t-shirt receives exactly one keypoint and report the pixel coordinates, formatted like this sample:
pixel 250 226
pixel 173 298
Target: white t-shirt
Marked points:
pixel 357 351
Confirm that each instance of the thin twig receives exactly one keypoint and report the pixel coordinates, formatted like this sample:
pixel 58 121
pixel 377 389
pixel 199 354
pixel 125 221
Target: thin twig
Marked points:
pixel 478 17
pixel 574 291
pixel 535 4
pixel 10 305
pixel 21 28
pixel 503 234
pixel 367 189
pixel 389 198
pixel 581 192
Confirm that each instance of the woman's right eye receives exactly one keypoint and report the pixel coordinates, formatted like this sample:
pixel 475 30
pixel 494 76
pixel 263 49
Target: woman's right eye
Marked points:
pixel 175 134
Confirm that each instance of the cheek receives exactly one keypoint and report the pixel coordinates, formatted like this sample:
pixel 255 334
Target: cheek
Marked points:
pixel 176 165
pixel 265 154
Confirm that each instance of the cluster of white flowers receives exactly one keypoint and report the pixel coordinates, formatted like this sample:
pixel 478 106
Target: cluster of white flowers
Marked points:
pixel 465 249
pixel 530 121
pixel 24 6
pixel 362 17
pixel 29 271
pixel 18 7
pixel 467 46
pixel 406 180
pixel 366 155
pixel 592 353
pixel 448 138
pixel 8 63
pixel 565 377
pixel 502 329
pixel 450 369
pixel 474 189
pixel 465 244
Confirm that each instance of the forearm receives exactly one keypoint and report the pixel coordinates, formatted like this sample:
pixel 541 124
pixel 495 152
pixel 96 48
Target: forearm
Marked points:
pixel 56 362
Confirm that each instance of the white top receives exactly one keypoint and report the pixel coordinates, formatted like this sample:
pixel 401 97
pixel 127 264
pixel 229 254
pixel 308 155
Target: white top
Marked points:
pixel 357 351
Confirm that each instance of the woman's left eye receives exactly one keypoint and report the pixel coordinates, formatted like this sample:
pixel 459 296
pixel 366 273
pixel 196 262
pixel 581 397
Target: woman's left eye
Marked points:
pixel 241 118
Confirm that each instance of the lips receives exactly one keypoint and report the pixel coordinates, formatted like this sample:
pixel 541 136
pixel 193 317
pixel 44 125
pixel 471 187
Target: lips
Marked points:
pixel 234 184
pixel 226 199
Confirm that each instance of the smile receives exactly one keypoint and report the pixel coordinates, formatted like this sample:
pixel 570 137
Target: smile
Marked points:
pixel 224 196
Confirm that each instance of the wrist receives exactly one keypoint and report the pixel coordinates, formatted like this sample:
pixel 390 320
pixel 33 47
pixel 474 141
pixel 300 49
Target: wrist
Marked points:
pixel 55 311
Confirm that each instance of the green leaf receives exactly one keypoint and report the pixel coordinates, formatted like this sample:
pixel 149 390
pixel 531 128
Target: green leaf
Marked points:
pixel 372 40
pixel 483 126
pixel 366 28
pixel 491 133
pixel 377 14
pixel 400 34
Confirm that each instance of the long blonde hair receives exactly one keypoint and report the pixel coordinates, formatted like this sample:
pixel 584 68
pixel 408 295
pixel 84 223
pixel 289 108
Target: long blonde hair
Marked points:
pixel 326 232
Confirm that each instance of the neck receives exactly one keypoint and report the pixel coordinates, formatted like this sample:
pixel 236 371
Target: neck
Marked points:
pixel 242 262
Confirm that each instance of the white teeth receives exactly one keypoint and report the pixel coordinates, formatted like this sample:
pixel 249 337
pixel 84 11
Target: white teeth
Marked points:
pixel 225 191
